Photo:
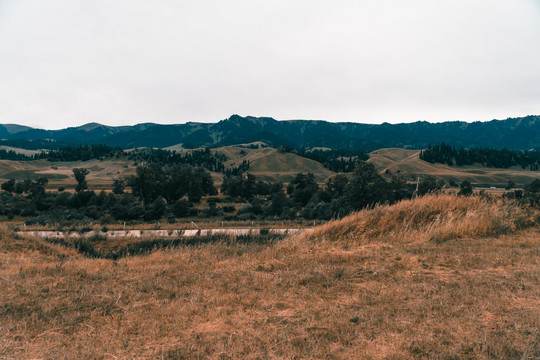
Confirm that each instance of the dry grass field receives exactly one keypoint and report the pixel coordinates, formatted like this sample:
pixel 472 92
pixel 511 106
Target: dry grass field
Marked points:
pixel 101 176
pixel 408 164
pixel 271 165
pixel 267 164
pixel 19 150
pixel 438 277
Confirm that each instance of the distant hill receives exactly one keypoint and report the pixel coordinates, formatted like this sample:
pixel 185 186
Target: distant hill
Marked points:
pixel 513 133
pixel 408 164
pixel 268 164
pixel 271 165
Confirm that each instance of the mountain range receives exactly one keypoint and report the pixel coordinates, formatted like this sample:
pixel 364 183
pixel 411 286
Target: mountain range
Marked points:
pixel 513 133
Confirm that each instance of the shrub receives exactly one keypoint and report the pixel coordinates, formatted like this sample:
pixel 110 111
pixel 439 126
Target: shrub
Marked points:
pixel 181 208
pixel 466 188
pixel 156 210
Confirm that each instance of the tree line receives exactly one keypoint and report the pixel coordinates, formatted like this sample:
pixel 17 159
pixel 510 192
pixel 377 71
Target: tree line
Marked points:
pixel 34 144
pixel 172 191
pixel 337 160
pixel 66 153
pixel 205 158
pixel 493 158
pixel 304 198
pixel 156 191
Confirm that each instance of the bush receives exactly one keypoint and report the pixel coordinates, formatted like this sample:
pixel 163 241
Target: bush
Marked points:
pixel 181 208
pixel 322 211
pixel 39 220
pixel 93 212
pixel 156 211
pixel 9 213
pixel 29 210
pixel 428 185
pixel 212 211
pixel 466 188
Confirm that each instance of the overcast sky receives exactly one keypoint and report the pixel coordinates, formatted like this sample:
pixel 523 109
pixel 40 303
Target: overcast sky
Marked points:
pixel 118 62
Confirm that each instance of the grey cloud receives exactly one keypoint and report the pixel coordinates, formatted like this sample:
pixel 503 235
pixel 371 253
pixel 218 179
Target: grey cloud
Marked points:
pixel 64 63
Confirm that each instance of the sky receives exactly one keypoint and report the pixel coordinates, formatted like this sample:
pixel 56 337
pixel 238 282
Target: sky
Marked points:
pixel 121 62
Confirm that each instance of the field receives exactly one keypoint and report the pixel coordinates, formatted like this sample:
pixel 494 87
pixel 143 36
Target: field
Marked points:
pixel 267 164
pixel 407 163
pixel 271 165
pixel 101 176
pixel 438 277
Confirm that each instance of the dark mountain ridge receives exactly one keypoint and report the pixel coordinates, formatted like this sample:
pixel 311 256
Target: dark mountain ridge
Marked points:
pixel 513 133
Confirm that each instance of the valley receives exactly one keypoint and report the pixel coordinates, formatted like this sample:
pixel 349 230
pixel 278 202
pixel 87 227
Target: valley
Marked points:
pixel 255 251
pixel 270 165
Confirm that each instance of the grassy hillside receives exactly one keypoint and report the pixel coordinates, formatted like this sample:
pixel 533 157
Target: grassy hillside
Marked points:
pixel 272 165
pixel 101 176
pixel 436 277
pixel 19 150
pixel 408 163
pixel 266 163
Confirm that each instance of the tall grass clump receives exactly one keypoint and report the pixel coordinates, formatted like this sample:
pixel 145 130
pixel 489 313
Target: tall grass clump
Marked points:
pixel 430 218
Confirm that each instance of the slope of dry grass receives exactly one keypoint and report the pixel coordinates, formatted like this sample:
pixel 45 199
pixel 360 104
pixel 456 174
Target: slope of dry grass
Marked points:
pixel 436 218
pixel 408 164
pixel 102 173
pixel 438 278
pixel 271 165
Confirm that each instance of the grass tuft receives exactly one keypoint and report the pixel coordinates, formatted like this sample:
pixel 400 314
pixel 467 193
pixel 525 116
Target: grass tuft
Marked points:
pixel 436 218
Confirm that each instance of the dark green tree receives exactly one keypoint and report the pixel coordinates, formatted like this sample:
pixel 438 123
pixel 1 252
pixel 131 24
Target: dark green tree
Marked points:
pixel 366 187
pixel 118 186
pixel 80 177
pixel 9 186
pixel 200 184
pixel 427 185
pixel 337 185
pixel 37 187
pixel 510 184
pixel 532 192
pixel 156 210
pixel 466 188
pixel 181 208
pixel 302 188
pixel 148 182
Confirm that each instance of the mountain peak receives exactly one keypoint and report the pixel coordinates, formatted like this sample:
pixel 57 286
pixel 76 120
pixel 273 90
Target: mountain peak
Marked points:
pixel 90 126
pixel 14 128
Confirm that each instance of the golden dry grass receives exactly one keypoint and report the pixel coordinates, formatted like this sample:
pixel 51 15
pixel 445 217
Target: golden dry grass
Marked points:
pixel 435 217
pixel 267 164
pixel 408 164
pixel 101 176
pixel 382 284
pixel 271 165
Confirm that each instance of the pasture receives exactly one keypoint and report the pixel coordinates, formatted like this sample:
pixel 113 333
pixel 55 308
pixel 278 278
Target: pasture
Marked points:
pixel 438 277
